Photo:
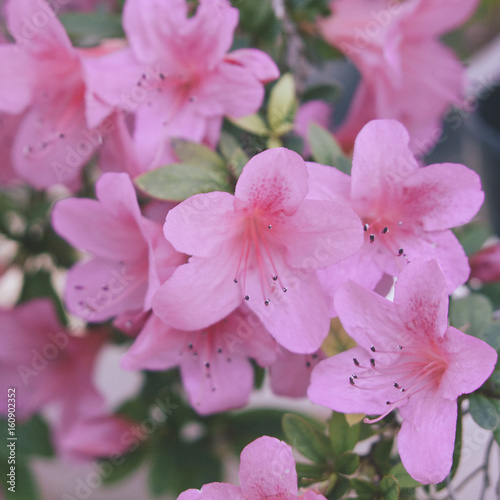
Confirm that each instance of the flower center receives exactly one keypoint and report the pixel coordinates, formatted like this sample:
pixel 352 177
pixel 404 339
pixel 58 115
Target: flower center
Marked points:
pixel 405 371
pixel 384 231
pixel 256 254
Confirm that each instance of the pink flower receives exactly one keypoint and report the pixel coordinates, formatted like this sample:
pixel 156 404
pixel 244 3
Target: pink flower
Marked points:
pixel 47 365
pixel 407 358
pixel 407 74
pixel 45 78
pixel 485 264
pixel 291 373
pixel 264 241
pixel 177 77
pixel 214 362
pixel 406 210
pixel 267 470
pixel 131 256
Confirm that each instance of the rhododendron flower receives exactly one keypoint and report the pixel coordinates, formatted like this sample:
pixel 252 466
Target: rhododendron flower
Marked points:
pixel 47 365
pixel 406 210
pixel 177 76
pixel 407 74
pixel 262 245
pixel 407 358
pixel 290 374
pixel 131 255
pixel 315 111
pixel 45 78
pixel 267 470
pixel 214 362
pixel 485 264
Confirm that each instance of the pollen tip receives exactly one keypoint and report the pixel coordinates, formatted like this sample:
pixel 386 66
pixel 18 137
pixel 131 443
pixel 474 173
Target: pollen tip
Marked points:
pixel 372 347
pixel 387 402
pixel 285 289
pixel 400 251
pixel 372 238
pixel 207 364
pixel 356 362
pixel 275 278
pixel 351 381
pixel 365 227
pixel 247 297
pixel 270 226
pixel 267 302
pixel 372 362
pixel 235 280
pixel 385 230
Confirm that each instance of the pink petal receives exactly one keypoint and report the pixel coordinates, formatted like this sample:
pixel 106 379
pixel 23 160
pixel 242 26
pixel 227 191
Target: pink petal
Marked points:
pixel 213 491
pixel 198 294
pixel 156 348
pixel 442 196
pixel 202 224
pixel 267 469
pixel 291 373
pixel 327 183
pixel 376 169
pixel 427 436
pixel 330 385
pixel 257 62
pixel 421 295
pixel 16 79
pixel 99 289
pixel 225 385
pixel 428 18
pixel 35 26
pixel 440 245
pixel 319 234
pixel 470 362
pixel 297 319
pixel 8 130
pixel 273 181
pixel 316 111
pixel 369 318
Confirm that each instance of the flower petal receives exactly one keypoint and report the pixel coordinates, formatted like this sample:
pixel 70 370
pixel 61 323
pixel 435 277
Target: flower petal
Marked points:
pixel 267 469
pixel 427 436
pixel 470 362
pixel 327 183
pixel 273 181
pixel 213 491
pixel 260 64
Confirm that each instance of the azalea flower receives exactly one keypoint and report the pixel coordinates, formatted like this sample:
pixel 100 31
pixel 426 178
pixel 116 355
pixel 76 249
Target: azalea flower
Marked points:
pixel 407 74
pixel 131 256
pixel 214 362
pixel 48 365
pixel 485 264
pixel 406 211
pixel 267 470
pixel 43 76
pixel 177 76
pixel 261 246
pixel 409 359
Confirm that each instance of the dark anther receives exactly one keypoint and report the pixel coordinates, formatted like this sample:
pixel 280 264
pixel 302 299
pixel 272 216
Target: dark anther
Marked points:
pixel 351 381
pixel 387 402
pixel 190 345
pixel 285 289
pixel 247 297
pixel 308 364
pixel 219 350
pixel 207 364
pixel 267 302
pixel 385 230
pixel 372 347
pixel 275 278
pixel 235 280
pixel 356 362
pixel 372 362
pixel 269 227
pixel 400 251
pixel 396 385
pixel 365 227
pixel 372 238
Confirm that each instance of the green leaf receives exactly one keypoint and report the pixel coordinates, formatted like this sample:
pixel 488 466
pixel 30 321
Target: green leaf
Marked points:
pixel 484 411
pixel 472 313
pixel 253 124
pixel 381 452
pixel 25 485
pixel 404 479
pixel 179 181
pixel 324 92
pixel 121 470
pixel 472 236
pixel 343 437
pixel 193 153
pixel 347 463
pixel 305 437
pixel 365 489
pixel 390 488
pixel 311 473
pixel 234 154
pixel 282 105
pixel 96 25
pixel 33 438
pixel 325 149
pixel 491 335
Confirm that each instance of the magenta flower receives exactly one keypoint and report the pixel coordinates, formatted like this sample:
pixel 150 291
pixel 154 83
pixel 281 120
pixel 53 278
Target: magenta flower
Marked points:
pixel 267 471
pixel 46 80
pixel 214 362
pixel 406 210
pixel 177 76
pixel 47 365
pixel 262 245
pixel 131 256
pixel 407 74
pixel 485 264
pixel 407 358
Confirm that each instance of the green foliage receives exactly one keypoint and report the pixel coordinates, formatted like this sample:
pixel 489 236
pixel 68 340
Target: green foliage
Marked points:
pixel 91 28
pixel 343 437
pixel 485 411
pixel 471 314
pixel 325 149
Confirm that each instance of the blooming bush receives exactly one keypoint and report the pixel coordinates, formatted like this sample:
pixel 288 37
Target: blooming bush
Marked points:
pixel 177 183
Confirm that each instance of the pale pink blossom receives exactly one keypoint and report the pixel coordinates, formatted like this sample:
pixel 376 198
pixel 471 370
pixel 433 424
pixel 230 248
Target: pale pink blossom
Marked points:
pixel 407 211
pixel 263 246
pixel 214 362
pixel 407 74
pixel 409 359
pixel 177 75
pixel 267 471
pixel 131 257
pixel 485 264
